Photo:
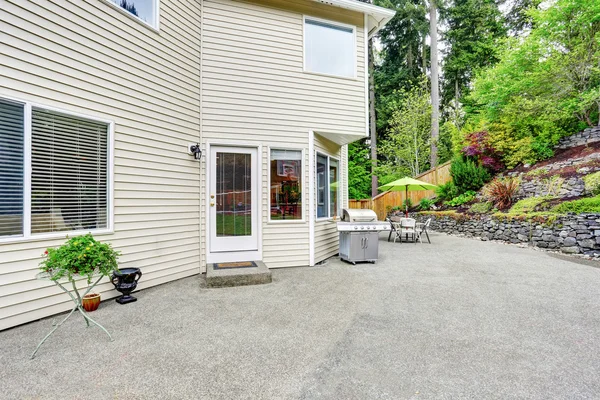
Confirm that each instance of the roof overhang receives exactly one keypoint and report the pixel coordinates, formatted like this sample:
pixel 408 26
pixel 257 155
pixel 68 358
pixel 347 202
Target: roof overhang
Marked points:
pixel 377 16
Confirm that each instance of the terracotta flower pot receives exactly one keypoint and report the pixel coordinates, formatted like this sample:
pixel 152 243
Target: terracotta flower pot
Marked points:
pixel 91 302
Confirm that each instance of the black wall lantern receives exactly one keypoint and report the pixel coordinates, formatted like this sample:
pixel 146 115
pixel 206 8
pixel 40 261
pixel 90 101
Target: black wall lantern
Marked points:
pixel 195 150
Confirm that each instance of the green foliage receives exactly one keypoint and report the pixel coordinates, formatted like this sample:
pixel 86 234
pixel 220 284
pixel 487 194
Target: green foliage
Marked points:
pixel 528 205
pixel 587 205
pixel 80 255
pixel 473 29
pixel 466 197
pixel 359 171
pixel 468 175
pixel 481 208
pixel 592 183
pixel 446 191
pixel 546 85
pixel 425 204
pixel 407 204
pixel 407 147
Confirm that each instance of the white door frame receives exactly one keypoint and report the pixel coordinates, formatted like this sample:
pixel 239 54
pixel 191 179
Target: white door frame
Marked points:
pixel 233 256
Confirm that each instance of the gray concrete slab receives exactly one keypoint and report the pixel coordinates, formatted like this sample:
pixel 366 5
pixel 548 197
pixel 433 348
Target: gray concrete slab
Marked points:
pixel 458 319
pixel 229 277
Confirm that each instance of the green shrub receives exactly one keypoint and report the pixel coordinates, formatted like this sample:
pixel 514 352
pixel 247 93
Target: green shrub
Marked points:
pixel 528 205
pixel 592 183
pixel 462 199
pixel 425 204
pixel 407 204
pixel 588 205
pixel 80 255
pixel 481 208
pixel 446 192
pixel 468 175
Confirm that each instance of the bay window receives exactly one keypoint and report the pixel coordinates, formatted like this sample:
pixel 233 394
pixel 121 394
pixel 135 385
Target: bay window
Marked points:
pixel 53 172
pixel 328 180
pixel 329 48
pixel 286 184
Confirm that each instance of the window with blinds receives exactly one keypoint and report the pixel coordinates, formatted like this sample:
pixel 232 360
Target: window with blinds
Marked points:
pixel 11 168
pixel 69 174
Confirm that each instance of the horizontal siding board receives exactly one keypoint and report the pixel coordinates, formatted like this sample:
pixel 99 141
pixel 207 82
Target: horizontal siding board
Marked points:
pixel 88 58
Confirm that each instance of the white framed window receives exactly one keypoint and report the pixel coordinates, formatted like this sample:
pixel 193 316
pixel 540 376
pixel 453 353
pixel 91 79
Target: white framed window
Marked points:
pixel 328 181
pixel 55 172
pixel 285 183
pixel 144 10
pixel 329 48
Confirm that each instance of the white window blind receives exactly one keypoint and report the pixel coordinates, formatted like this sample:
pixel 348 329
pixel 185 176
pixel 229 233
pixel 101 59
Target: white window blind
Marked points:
pixel 69 178
pixel 11 168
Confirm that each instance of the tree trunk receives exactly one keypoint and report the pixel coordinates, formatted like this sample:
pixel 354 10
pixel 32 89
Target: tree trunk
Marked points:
pixel 435 95
pixel 372 120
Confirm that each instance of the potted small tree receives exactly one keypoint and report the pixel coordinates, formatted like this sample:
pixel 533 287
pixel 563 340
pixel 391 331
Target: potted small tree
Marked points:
pixel 81 256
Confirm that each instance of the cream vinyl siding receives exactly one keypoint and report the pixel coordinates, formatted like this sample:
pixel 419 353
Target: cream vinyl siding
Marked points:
pixel 326 234
pixel 86 57
pixel 255 91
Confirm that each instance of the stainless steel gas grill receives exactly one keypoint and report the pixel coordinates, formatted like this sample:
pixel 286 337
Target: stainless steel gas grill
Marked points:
pixel 359 235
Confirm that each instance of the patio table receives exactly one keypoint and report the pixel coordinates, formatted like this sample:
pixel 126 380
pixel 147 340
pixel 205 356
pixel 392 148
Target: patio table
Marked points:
pixel 418 228
pixel 77 300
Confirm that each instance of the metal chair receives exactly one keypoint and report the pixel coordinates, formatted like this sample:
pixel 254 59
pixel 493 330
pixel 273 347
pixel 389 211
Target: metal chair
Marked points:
pixel 408 227
pixel 393 231
pixel 423 230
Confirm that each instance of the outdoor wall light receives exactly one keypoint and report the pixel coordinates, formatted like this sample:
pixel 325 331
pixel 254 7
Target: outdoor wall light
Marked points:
pixel 195 150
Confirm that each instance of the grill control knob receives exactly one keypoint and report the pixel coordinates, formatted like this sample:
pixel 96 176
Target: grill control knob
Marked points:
pixel 356 227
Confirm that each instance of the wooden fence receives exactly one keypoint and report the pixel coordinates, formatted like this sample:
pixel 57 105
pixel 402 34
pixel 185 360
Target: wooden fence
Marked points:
pixel 386 200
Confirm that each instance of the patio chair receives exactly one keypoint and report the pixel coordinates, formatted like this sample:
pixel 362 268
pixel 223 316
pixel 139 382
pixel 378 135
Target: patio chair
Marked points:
pixel 408 227
pixel 423 230
pixel 393 231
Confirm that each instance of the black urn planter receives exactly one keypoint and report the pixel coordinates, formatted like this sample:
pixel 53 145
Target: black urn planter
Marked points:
pixel 125 281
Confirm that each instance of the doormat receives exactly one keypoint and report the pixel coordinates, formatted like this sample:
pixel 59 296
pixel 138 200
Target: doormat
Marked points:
pixel 243 264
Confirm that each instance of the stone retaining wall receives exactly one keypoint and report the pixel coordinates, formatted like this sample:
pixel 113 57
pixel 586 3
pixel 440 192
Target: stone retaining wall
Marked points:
pixel 572 234
pixel 589 135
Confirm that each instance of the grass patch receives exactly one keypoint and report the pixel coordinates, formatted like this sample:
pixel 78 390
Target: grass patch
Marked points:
pixel 481 208
pixel 528 205
pixel 587 205
pixel 234 225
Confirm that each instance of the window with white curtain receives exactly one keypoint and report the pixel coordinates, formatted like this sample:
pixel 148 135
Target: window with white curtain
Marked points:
pixel 68 169
pixel 329 48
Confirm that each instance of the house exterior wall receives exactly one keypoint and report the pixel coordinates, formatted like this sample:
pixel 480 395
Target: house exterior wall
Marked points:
pixel 255 92
pixel 86 56
pixel 218 71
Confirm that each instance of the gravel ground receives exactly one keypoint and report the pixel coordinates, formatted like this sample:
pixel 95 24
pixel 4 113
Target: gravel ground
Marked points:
pixel 457 319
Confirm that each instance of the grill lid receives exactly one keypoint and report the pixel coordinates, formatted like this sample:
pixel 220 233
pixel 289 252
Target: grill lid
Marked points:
pixel 358 215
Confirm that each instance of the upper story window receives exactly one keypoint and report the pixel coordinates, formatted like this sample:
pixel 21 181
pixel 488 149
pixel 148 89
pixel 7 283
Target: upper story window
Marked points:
pixel 329 48
pixel 146 10
pixel 54 172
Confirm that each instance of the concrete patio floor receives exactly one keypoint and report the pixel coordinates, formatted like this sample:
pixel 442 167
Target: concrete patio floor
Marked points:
pixel 458 319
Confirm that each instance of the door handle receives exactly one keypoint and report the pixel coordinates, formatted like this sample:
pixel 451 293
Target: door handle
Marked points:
pixel 212 204
pixel 366 242
pixel 362 243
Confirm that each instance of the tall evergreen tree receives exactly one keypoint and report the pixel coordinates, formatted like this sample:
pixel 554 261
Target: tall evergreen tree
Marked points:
pixel 471 40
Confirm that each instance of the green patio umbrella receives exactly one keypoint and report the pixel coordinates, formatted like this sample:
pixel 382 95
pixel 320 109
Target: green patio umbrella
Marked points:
pixel 407 184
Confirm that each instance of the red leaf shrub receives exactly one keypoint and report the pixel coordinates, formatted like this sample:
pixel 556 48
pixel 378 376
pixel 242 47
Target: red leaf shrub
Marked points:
pixel 479 148
pixel 502 192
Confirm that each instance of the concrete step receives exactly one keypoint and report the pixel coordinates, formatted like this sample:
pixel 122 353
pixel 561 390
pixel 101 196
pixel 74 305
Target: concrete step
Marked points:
pixel 227 277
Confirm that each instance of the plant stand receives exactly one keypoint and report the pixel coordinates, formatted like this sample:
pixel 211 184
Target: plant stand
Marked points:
pixel 78 307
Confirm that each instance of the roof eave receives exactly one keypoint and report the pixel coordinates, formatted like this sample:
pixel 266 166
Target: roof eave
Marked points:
pixel 379 15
